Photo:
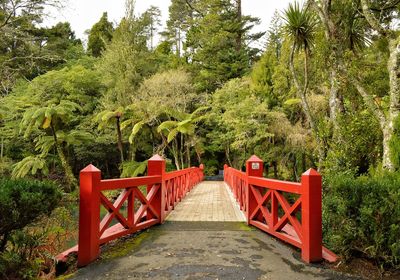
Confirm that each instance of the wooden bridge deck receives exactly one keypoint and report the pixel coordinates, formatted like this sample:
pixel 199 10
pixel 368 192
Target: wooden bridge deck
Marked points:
pixel 209 201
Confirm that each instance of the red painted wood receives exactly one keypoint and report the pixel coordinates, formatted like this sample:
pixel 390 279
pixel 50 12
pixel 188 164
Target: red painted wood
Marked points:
pixel 263 198
pixel 293 240
pixel 89 215
pixel 278 185
pixel 156 167
pixel 117 184
pixel 163 192
pixel 311 213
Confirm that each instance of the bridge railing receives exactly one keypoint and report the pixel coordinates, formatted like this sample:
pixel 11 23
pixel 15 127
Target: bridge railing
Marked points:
pixel 289 211
pixel 178 184
pixel 133 210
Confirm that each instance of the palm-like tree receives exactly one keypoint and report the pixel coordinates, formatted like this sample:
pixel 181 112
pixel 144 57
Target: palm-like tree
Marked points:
pixel 301 28
pixel 105 118
pixel 52 117
pixel 184 125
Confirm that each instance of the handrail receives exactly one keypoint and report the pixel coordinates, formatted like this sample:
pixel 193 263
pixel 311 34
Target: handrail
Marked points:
pixel 266 207
pixel 141 209
pixel 178 184
pixel 290 187
pixel 115 184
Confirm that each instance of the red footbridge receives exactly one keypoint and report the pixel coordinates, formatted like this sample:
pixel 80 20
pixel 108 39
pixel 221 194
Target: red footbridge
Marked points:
pixel 289 211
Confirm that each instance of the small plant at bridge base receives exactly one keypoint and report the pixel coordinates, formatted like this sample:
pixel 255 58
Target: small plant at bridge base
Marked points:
pixel 361 217
pixel 22 203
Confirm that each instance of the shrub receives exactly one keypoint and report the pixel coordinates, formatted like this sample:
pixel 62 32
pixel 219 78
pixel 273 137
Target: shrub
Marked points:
pixel 30 251
pixel 22 202
pixel 361 217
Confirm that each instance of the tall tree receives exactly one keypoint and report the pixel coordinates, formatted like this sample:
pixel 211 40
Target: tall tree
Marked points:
pixel 52 108
pixel 301 28
pixel 127 60
pixel 100 35
pixel 180 14
pixel 344 30
pixel 152 18
pixel 22 50
pixel 380 19
pixel 215 28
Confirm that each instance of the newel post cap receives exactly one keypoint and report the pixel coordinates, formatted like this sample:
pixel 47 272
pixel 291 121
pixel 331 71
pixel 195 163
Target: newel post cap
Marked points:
pixel 254 158
pixel 90 168
pixel 311 172
pixel 156 158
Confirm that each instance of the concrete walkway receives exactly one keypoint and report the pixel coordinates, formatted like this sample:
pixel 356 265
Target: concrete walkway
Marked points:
pixel 196 244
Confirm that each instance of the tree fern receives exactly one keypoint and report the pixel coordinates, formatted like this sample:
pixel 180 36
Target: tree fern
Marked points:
pixel 30 164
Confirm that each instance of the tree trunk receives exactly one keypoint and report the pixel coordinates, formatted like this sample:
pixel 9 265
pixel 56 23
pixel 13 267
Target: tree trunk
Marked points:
pixel 3 242
pixel 386 159
pixel 67 169
pixel 2 149
pixel 178 45
pixel 294 161
pixel 303 162
pixel 302 93
pixel 228 156
pixel 120 144
pixel 69 175
pixel 386 121
pixel 188 155
pixel 324 10
pixel 198 157
pixel 175 152
pixel 176 159
pixel 239 20
pixel 333 98
pixel 394 74
pixel 151 34
pixel 181 149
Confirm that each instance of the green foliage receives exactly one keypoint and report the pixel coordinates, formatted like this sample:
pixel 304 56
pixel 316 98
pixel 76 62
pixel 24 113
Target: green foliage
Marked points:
pixel 22 202
pixel 49 109
pixel 133 169
pixel 127 60
pixel 300 26
pixel 220 31
pixel 28 50
pixel 355 150
pixel 31 250
pixel 263 82
pixel 186 125
pixel 135 130
pixel 99 36
pixel 242 121
pixel 361 217
pixel 211 167
pixel 30 164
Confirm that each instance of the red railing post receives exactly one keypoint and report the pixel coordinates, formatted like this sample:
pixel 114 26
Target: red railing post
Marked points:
pixel 156 166
pixel 89 215
pixel 254 168
pixel 311 216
